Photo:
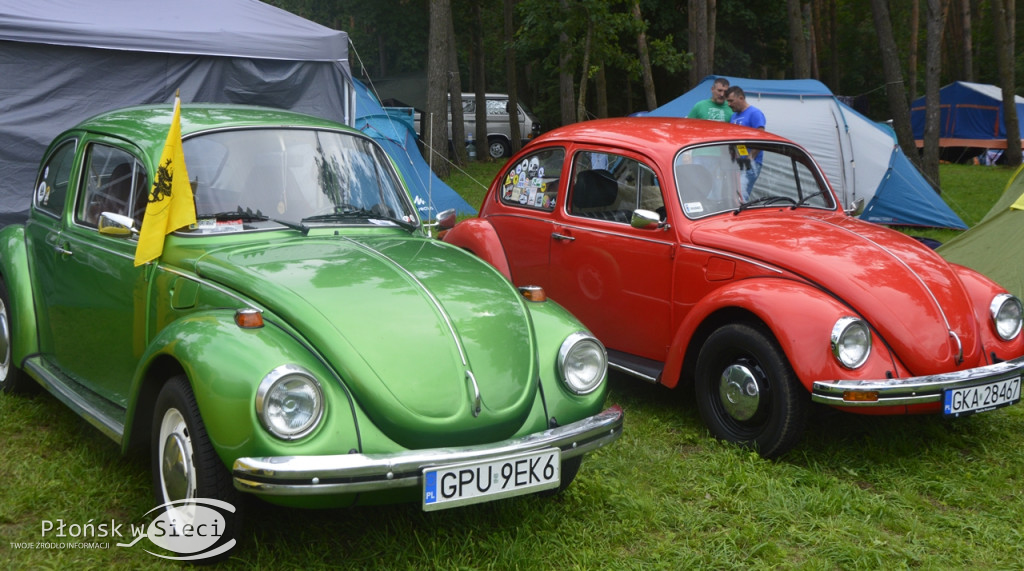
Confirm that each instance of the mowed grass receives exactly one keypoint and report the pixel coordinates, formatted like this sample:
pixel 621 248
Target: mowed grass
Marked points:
pixel 859 492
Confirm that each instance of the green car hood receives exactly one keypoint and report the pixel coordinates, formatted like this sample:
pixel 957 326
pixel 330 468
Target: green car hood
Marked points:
pixel 414 328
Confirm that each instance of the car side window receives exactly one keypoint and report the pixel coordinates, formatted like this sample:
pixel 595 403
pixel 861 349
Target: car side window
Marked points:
pixel 610 187
pixel 533 182
pixel 52 184
pixel 114 181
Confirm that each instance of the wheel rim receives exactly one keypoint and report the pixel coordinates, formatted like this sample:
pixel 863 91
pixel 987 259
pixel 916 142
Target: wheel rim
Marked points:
pixel 177 472
pixel 497 150
pixel 5 341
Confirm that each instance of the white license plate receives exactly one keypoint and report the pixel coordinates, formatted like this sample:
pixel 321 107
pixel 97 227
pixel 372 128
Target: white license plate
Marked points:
pixel 979 398
pixel 476 482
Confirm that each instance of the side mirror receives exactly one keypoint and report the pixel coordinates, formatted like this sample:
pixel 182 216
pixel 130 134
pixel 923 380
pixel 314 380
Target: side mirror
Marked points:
pixel 856 208
pixel 645 219
pixel 111 224
pixel 446 219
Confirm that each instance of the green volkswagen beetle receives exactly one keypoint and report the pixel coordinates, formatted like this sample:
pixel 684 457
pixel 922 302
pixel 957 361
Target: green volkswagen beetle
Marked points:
pixel 305 341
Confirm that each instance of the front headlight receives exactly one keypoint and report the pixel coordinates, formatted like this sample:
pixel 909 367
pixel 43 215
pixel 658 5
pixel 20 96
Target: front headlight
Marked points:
pixel 582 363
pixel 1006 315
pixel 289 402
pixel 851 342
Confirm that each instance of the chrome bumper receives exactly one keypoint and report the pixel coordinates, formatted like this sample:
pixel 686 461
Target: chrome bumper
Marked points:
pixel 911 390
pixel 350 473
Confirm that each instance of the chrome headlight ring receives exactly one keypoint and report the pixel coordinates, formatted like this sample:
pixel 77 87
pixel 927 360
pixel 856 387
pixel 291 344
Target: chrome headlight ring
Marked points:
pixel 582 363
pixel 851 342
pixel 289 402
pixel 1007 315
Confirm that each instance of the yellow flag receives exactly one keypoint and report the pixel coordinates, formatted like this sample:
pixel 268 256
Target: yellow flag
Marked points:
pixel 170 205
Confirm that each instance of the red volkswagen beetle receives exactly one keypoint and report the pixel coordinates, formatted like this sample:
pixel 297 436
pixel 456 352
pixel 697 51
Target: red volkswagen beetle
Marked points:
pixel 717 257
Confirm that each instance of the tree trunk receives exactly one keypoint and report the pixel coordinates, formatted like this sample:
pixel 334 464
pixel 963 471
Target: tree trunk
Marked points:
pixel 510 77
pixel 566 97
pixel 915 26
pixel 968 49
pixel 645 58
pixel 479 67
pixel 1004 14
pixel 698 26
pixel 894 90
pixel 932 66
pixel 434 123
pixel 455 99
pixel 797 42
pixel 581 103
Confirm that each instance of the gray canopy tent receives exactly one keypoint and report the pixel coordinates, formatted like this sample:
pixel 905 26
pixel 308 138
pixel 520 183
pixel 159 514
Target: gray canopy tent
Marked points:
pixel 64 61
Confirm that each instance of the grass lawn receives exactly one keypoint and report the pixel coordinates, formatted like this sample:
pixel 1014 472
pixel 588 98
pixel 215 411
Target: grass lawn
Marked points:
pixel 858 493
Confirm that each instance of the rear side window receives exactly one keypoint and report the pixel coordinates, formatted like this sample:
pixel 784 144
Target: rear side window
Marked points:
pixel 533 182
pixel 52 184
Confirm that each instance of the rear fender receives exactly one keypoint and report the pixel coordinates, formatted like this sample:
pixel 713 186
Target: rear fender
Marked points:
pixel 478 236
pixel 799 316
pixel 16 275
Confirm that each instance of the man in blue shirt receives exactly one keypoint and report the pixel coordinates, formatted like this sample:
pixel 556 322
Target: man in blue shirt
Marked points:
pixel 749 116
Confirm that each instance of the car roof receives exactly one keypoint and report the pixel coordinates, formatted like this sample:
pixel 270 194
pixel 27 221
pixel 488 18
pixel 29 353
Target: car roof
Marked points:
pixel 658 134
pixel 147 125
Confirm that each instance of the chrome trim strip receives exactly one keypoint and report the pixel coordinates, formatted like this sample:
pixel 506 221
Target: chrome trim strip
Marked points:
pixel 350 473
pixel 632 372
pixel 913 390
pixel 423 287
pixel 724 254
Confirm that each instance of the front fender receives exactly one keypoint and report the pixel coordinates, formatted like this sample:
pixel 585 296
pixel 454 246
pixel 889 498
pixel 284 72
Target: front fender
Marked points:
pixel 15 272
pixel 225 364
pixel 800 318
pixel 479 236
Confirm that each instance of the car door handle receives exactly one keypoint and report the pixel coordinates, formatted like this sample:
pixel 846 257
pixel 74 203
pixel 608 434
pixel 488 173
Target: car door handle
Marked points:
pixel 62 250
pixel 558 236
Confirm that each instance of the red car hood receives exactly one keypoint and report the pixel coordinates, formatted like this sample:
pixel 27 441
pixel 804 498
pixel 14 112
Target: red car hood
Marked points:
pixel 907 292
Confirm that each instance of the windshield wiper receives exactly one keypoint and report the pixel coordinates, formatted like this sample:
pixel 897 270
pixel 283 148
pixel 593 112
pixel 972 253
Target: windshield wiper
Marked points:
pixel 763 201
pixel 248 215
pixel 239 214
pixel 347 212
pixel 804 200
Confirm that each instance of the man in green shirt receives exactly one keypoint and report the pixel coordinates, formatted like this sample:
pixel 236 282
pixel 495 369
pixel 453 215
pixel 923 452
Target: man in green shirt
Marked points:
pixel 715 109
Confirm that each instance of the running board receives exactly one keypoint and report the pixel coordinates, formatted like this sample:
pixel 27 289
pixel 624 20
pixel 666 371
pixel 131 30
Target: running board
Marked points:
pixel 645 369
pixel 96 410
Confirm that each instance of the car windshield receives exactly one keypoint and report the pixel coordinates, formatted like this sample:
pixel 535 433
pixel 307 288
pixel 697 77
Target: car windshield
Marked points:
pixel 255 178
pixel 733 177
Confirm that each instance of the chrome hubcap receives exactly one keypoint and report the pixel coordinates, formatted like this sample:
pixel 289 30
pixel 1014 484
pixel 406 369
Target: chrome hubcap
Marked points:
pixel 5 342
pixel 739 391
pixel 176 471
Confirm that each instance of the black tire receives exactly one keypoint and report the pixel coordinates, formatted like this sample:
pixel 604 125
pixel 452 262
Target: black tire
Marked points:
pixel 498 148
pixel 570 468
pixel 185 465
pixel 12 379
pixel 747 392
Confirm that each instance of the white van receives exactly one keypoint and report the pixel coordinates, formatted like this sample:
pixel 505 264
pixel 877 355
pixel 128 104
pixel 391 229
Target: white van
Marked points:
pixel 499 138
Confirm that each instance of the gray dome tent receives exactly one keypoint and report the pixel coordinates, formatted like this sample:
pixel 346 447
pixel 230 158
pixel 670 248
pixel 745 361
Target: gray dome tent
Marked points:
pixel 65 61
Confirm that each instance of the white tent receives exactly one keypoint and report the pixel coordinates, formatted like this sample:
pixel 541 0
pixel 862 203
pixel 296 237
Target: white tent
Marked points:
pixel 860 157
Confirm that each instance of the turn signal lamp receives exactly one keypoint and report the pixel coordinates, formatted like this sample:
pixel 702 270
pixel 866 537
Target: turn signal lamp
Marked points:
pixel 249 318
pixel 534 293
pixel 854 396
